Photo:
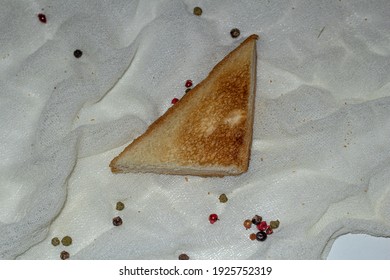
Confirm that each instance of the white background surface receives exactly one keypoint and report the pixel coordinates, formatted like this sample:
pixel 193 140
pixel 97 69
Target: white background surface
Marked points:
pixel 321 152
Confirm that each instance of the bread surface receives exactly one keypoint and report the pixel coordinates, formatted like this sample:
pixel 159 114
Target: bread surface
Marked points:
pixel 209 131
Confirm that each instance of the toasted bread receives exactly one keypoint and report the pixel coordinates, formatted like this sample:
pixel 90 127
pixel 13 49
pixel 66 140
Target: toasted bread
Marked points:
pixel 209 131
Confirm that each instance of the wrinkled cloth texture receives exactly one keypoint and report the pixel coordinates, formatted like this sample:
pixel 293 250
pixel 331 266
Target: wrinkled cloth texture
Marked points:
pixel 320 160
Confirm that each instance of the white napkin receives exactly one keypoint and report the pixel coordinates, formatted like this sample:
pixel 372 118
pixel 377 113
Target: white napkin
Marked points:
pixel 320 156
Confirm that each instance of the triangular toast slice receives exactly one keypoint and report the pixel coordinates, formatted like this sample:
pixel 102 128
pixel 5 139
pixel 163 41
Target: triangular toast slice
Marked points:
pixel 209 131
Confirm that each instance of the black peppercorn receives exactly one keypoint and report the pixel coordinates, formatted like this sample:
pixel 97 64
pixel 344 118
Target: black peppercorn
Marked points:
pixel 257 220
pixel 117 221
pixel 42 18
pixel 64 255
pixel 261 236
pixel 184 257
pixel 77 53
pixel 235 32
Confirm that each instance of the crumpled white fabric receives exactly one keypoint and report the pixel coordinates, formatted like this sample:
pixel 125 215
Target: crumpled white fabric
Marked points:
pixel 320 156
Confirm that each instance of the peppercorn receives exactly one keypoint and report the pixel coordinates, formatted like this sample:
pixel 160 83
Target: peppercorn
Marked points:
pixel 247 224
pixel 269 230
pixel 257 220
pixel 274 224
pixel 188 89
pixel 261 236
pixel 223 198
pixel 42 18
pixel 188 83
pixel 117 221
pixel 184 257
pixel 55 241
pixel 213 218
pixel 77 53
pixel 197 11
pixel 66 241
pixel 174 100
pixel 262 226
pixel 120 206
pixel 252 236
pixel 64 255
pixel 235 32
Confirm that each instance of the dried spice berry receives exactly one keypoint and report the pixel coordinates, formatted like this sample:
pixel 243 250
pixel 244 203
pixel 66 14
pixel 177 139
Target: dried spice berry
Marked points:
pixel 117 221
pixel 235 32
pixel 66 241
pixel 223 198
pixel 257 220
pixel 188 83
pixel 188 89
pixel 197 11
pixel 174 100
pixel 77 53
pixel 252 236
pixel 184 257
pixel 42 18
pixel 262 226
pixel 247 224
pixel 274 224
pixel 261 236
pixel 64 255
pixel 120 206
pixel 213 218
pixel 55 241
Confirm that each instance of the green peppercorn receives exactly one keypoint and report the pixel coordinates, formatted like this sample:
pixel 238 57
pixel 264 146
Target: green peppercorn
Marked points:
pixel 188 89
pixel 197 11
pixel 235 32
pixel 223 198
pixel 66 241
pixel 120 206
pixel 55 241
pixel 274 224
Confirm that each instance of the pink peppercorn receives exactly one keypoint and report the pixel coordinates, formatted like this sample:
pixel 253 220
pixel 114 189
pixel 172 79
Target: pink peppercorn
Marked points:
pixel 174 100
pixel 269 230
pixel 213 218
pixel 188 83
pixel 42 18
pixel 262 226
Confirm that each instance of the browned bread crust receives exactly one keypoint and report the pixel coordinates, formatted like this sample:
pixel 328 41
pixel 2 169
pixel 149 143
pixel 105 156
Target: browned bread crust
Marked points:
pixel 209 131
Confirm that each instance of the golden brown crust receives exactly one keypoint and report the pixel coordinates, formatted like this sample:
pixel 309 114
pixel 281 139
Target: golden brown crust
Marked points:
pixel 217 67
pixel 217 133
pixel 218 138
